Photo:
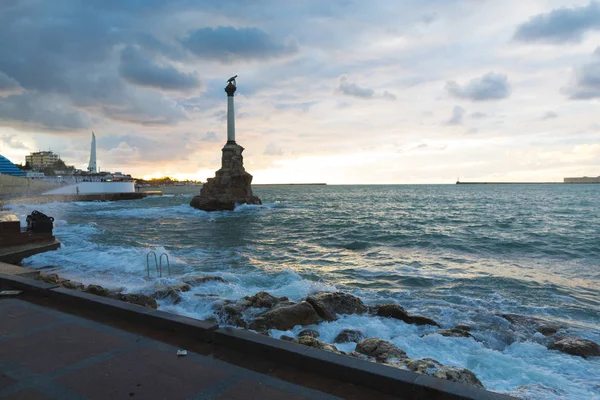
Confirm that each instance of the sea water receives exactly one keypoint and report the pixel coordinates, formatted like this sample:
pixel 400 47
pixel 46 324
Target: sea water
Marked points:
pixel 460 254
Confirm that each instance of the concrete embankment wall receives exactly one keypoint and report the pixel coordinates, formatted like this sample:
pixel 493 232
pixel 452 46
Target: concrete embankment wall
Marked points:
pixel 14 187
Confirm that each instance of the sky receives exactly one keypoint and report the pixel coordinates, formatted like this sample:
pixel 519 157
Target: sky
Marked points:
pixel 343 91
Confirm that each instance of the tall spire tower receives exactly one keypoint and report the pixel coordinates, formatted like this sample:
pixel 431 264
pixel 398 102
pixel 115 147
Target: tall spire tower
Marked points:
pixel 92 165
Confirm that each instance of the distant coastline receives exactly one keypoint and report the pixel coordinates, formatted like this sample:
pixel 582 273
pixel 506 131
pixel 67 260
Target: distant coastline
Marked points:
pixel 289 184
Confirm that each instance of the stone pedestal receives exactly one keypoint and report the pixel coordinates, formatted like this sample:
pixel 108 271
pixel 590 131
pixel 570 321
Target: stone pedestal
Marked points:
pixel 230 186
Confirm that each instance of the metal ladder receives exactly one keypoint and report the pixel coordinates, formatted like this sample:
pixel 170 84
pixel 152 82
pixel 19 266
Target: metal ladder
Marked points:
pixel 157 263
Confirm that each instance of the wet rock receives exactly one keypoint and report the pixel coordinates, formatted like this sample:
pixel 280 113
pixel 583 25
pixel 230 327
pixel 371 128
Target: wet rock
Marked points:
pixel 317 344
pixel 139 299
pixel 349 335
pixel 463 327
pixel 309 332
pixel 264 300
pixel 287 338
pixel 429 366
pixel 329 304
pixel 171 292
pixel 358 355
pixel 212 320
pixel 49 278
pixel 231 313
pixel 543 326
pixel 72 285
pixel 97 290
pixel 453 332
pixel 286 317
pixel 576 346
pixel 195 280
pixel 396 311
pixel 380 349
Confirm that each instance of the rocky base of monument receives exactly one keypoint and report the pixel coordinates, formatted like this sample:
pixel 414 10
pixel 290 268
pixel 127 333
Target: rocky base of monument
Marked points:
pixel 231 185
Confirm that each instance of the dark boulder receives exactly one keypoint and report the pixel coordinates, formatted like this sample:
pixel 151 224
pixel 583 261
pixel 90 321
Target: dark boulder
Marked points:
pixel 453 332
pixel 576 346
pixel 263 300
pixel 429 366
pixel 396 311
pixel 230 313
pixel 287 338
pixel 317 344
pixel 195 280
pixel 380 349
pixel 329 304
pixel 171 292
pixel 72 285
pixel 533 324
pixel 49 278
pixel 139 299
pixel 97 290
pixel 286 317
pixel 463 327
pixel 349 335
pixel 309 332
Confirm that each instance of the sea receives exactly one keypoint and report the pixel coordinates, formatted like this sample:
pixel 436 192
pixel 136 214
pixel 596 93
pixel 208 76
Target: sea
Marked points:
pixel 460 254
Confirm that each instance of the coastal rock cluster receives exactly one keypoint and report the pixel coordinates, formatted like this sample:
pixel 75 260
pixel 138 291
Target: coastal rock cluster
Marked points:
pixel 263 312
pixel 231 185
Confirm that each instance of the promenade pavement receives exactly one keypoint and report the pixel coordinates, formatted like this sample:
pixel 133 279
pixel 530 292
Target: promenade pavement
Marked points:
pixel 49 354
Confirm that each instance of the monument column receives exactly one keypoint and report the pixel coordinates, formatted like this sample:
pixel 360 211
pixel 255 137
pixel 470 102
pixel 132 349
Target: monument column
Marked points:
pixel 230 89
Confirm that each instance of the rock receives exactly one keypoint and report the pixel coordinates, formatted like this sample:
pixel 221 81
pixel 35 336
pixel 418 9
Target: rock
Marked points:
pixel 49 278
pixel 195 280
pixel 429 366
pixel 72 285
pixel 231 185
pixel 380 349
pixel 543 326
pixel 264 300
pixel 139 299
pixel 391 310
pixel 463 327
pixel 453 332
pixel 358 355
pixel 317 344
pixel 576 346
pixel 171 292
pixel 97 290
pixel 309 332
pixel 286 317
pixel 329 304
pixel 230 313
pixel 349 335
pixel 287 338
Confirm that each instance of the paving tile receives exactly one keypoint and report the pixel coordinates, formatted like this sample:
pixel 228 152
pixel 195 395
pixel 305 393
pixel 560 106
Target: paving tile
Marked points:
pixel 250 390
pixel 21 318
pixel 143 373
pixel 50 349
pixel 27 394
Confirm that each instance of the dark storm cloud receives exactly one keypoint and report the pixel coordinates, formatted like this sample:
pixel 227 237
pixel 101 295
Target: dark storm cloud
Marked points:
pixel 561 25
pixel 8 85
pixel 65 53
pixel 140 70
pixel 457 116
pixel 491 86
pixel 228 44
pixel 586 84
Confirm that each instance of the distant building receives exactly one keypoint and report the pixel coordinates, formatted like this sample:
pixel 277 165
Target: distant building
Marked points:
pixel 41 159
pixel 8 168
pixel 583 179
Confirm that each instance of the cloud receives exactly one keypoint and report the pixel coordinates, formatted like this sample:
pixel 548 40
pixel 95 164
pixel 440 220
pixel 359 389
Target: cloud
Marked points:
pixel 549 115
pixel 586 82
pixel 478 115
pixel 457 116
pixel 302 106
pixel 8 85
pixel 273 150
pixel 210 137
pixel 228 44
pixel 490 86
pixel 352 89
pixel 140 70
pixel 10 141
pixel 561 25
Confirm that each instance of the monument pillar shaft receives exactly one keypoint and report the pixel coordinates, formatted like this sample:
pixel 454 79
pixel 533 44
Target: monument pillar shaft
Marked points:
pixel 230 120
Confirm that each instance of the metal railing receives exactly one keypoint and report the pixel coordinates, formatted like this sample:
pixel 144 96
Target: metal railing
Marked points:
pixel 158 263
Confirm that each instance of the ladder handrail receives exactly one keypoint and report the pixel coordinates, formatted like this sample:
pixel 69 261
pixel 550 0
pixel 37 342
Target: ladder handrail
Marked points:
pixel 148 262
pixel 168 263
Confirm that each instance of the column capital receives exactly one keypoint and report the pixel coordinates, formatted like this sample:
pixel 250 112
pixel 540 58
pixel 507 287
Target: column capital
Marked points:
pixel 230 89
